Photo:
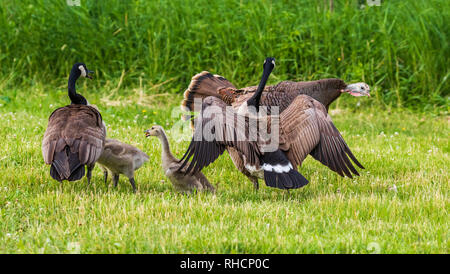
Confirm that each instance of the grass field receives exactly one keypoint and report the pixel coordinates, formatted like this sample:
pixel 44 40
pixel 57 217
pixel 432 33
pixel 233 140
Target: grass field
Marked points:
pixel 399 204
pixel 144 54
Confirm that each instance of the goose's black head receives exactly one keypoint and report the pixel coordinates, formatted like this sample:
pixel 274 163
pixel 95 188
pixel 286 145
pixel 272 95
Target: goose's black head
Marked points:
pixel 269 63
pixel 80 69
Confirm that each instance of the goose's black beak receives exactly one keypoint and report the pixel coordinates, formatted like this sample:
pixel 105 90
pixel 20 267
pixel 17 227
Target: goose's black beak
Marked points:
pixel 87 74
pixel 147 133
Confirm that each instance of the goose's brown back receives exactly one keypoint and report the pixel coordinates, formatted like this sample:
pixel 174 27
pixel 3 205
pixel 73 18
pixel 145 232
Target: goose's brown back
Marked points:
pixel 75 137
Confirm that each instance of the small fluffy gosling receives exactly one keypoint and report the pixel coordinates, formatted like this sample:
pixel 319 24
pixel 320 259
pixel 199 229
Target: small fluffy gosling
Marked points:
pixel 121 158
pixel 170 164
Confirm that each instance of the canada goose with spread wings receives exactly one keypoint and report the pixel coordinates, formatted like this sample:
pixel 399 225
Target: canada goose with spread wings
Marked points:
pixel 219 126
pixel 306 127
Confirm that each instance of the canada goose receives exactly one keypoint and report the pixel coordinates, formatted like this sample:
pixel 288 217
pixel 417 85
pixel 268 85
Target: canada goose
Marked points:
pixel 75 134
pixel 219 127
pixel 120 158
pixel 171 165
pixel 326 91
pixel 284 95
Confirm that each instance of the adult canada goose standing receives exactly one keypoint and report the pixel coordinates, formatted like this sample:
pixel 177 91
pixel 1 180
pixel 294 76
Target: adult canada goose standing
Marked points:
pixel 75 134
pixel 219 127
pixel 295 125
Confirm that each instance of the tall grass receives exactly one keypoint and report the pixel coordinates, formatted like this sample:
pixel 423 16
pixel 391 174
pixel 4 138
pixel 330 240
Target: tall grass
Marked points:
pixel 400 48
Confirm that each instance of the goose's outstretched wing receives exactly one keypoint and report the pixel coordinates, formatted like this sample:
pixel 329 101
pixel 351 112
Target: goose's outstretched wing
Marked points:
pixel 217 127
pixel 306 128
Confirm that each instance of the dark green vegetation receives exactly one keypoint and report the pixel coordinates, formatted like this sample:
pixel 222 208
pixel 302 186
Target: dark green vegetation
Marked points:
pixel 399 48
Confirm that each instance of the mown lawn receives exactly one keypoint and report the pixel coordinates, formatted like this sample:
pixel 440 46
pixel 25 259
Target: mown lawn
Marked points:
pixel 399 204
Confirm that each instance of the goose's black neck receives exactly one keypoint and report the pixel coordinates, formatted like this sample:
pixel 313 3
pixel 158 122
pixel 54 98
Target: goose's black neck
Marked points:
pixel 75 98
pixel 255 99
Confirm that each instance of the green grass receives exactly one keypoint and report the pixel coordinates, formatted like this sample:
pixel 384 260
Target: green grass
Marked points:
pixel 400 48
pixel 144 54
pixel 400 149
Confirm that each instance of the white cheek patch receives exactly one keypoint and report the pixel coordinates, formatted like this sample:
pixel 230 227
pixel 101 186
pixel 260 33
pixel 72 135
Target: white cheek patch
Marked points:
pixel 83 71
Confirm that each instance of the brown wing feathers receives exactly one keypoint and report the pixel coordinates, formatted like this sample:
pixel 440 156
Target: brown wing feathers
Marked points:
pixel 202 153
pixel 332 150
pixel 306 128
pixel 203 85
pixel 206 150
pixel 74 137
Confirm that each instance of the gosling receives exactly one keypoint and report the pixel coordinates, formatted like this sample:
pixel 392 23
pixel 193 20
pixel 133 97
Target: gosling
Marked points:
pixel 120 158
pixel 181 182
